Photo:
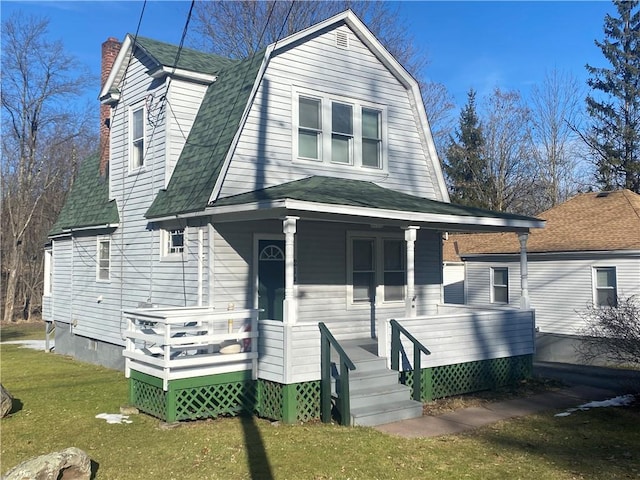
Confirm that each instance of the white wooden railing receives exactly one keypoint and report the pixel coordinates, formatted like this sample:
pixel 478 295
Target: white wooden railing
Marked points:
pixel 175 343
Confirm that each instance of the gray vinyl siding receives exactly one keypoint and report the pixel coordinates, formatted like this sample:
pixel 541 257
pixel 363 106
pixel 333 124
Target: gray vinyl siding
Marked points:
pixel 264 155
pixel 61 288
pixel 428 271
pixel 559 287
pixel 453 283
pixel 183 101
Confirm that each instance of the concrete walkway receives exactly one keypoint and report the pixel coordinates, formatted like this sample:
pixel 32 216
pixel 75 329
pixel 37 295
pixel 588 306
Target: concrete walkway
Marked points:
pixel 583 384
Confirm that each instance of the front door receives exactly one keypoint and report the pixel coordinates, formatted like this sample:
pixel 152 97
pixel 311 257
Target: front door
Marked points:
pixel 271 279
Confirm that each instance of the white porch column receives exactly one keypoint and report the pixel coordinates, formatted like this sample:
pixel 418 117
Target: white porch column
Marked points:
pixel 410 234
pixel 524 272
pixel 289 229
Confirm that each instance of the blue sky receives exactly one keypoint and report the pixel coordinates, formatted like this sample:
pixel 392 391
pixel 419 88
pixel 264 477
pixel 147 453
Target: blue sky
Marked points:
pixel 470 44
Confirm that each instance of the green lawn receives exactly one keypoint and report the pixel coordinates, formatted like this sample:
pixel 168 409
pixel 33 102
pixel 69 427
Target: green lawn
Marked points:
pixel 22 331
pixel 59 398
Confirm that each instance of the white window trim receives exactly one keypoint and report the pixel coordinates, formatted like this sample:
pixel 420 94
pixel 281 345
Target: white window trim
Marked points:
pixel 48 272
pixel 378 238
pixel 165 238
pixel 134 108
pixel 326 130
pixel 594 282
pixel 99 240
pixel 493 285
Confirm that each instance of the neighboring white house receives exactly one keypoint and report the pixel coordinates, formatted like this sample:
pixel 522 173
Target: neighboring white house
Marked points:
pixel 587 254
pixel 300 185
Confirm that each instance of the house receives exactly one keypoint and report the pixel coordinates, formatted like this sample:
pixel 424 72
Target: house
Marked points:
pixel 587 254
pixel 240 208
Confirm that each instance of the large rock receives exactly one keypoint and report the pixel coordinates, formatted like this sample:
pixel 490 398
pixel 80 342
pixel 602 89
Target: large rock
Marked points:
pixel 7 402
pixel 68 464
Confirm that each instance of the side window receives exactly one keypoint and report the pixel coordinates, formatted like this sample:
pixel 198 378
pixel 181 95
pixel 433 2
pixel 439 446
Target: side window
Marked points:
pixel 364 273
pixel 174 243
pixel 394 270
pixel 499 285
pixel 605 294
pixel 341 133
pixel 136 138
pixel 103 264
pixel 371 138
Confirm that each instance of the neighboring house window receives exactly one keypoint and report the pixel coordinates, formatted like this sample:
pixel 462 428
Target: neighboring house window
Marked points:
pixel 103 267
pixel 339 131
pixel 174 243
pixel 605 287
pixel 500 285
pixel 378 269
pixel 136 134
pixel 48 271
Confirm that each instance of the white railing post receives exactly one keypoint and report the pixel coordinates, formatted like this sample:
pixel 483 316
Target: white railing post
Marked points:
pixel 410 235
pixel 289 229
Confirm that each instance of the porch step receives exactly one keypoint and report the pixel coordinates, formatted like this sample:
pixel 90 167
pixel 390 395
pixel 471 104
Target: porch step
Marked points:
pixel 375 395
pixel 385 413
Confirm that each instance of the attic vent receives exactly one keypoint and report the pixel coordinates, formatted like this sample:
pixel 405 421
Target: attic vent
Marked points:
pixel 603 194
pixel 342 39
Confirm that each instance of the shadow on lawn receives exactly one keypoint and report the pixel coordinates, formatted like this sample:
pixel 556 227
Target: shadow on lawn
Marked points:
pixel 259 467
pixel 16 406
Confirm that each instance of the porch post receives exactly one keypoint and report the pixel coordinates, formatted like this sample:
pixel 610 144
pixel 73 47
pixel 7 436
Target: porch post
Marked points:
pixel 524 273
pixel 410 234
pixel 289 229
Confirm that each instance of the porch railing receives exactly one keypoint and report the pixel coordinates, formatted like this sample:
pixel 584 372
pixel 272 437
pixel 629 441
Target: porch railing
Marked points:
pixel 176 343
pixel 396 345
pixel 327 340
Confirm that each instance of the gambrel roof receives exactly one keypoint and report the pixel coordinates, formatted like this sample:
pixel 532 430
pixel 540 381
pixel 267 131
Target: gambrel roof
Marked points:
pixel 87 204
pixel 589 222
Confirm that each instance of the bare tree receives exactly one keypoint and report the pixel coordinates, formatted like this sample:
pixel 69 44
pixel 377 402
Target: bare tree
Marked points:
pixel 507 149
pixel 612 333
pixel 240 28
pixel 557 149
pixel 39 134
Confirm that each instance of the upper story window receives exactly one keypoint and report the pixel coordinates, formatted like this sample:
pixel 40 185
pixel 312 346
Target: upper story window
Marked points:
pixel 339 131
pixel 136 136
pixel 103 264
pixel 174 243
pixel 499 285
pixel 605 289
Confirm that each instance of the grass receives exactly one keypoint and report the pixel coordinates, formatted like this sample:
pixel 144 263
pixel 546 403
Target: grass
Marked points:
pixel 32 330
pixel 58 399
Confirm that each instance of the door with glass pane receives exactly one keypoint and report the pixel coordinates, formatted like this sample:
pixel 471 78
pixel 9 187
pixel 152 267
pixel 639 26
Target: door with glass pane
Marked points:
pixel 271 279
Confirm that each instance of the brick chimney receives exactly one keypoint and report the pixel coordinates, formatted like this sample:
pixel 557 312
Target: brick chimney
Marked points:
pixel 110 50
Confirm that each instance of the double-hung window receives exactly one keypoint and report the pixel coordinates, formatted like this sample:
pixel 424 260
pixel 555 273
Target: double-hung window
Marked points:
pixel 338 131
pixel 103 264
pixel 605 294
pixel 136 135
pixel 499 285
pixel 377 269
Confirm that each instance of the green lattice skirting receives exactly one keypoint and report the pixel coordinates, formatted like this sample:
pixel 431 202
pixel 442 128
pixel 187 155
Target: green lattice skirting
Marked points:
pixel 226 394
pixel 448 380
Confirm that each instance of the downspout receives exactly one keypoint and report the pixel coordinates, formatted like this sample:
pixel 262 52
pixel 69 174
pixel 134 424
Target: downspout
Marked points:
pixel 525 304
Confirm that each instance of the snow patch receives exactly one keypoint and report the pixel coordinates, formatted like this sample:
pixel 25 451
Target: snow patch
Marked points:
pixel 620 401
pixel 114 417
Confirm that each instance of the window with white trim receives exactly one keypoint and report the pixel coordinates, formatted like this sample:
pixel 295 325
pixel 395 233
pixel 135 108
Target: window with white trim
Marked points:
pixel 500 285
pixel 334 130
pixel 136 137
pixel 174 242
pixel 377 269
pixel 103 263
pixel 605 287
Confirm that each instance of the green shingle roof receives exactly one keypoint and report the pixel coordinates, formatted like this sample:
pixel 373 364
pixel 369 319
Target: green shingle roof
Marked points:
pixel 209 141
pixel 358 193
pixel 87 203
pixel 200 62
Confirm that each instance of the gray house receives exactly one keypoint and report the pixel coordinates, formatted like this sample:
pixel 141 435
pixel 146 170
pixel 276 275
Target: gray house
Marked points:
pixel 238 205
pixel 587 254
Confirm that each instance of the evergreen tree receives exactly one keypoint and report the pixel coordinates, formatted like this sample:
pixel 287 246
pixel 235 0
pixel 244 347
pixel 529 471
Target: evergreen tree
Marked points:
pixel 465 165
pixel 614 137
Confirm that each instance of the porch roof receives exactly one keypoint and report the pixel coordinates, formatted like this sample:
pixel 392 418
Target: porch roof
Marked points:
pixel 317 195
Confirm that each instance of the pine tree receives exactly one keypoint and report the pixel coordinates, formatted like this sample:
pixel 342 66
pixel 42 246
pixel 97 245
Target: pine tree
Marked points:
pixel 465 166
pixel 614 137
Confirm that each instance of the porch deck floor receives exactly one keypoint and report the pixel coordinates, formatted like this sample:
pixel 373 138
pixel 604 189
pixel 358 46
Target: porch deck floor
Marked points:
pixel 360 348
